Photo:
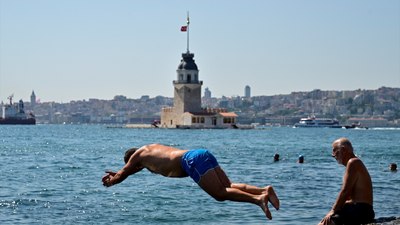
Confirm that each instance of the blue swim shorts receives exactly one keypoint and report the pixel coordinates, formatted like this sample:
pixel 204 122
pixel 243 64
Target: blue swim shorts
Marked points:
pixel 197 162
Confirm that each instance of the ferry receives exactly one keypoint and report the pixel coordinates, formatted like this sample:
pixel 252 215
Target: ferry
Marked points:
pixel 15 114
pixel 312 121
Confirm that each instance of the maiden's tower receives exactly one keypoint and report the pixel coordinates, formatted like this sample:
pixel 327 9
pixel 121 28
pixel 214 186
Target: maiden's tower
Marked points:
pixel 187 111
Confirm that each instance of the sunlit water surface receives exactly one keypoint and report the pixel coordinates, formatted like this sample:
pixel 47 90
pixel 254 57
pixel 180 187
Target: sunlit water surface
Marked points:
pixel 51 174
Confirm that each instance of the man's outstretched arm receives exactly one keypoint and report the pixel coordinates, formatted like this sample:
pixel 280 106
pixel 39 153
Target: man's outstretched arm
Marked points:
pixel 133 166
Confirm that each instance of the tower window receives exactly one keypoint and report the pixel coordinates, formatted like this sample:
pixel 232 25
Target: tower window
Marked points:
pixel 180 76
pixel 189 78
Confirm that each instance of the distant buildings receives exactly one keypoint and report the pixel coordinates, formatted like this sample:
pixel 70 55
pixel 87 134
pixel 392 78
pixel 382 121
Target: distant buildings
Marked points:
pixel 371 108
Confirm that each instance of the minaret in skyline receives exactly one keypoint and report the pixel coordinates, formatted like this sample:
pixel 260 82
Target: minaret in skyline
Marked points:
pixel 33 99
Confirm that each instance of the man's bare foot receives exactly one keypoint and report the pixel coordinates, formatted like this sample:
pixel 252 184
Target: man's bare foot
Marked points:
pixel 264 206
pixel 272 196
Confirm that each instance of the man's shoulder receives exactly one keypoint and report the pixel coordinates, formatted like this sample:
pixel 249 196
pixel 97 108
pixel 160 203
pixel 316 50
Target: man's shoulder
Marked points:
pixel 154 146
pixel 354 163
pixel 157 149
pixel 355 160
pixel 150 147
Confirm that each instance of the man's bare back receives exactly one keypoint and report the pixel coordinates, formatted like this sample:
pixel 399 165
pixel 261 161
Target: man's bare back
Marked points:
pixel 362 190
pixel 160 159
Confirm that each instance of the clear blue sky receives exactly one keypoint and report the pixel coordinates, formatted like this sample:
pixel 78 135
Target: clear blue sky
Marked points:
pixel 75 50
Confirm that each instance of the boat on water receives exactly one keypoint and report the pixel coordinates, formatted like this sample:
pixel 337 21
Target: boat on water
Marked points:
pixel 355 126
pixel 14 114
pixel 313 122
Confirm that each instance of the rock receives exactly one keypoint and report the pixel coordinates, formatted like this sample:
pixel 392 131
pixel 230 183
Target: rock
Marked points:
pixel 387 221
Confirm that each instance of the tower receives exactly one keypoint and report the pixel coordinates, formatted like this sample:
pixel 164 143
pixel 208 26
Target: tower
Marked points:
pixel 247 92
pixel 33 99
pixel 187 87
pixel 187 111
pixel 207 93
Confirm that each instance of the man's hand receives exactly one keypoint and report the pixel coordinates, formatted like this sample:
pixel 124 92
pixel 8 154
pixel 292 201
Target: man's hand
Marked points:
pixel 107 178
pixel 327 219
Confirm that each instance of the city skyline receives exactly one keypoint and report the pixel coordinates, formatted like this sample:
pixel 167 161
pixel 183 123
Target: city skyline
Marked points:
pixel 97 49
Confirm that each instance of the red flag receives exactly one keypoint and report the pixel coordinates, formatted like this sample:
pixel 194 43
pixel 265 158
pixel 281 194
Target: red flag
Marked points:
pixel 184 28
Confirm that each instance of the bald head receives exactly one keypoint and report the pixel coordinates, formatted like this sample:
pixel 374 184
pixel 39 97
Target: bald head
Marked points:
pixel 343 143
pixel 342 150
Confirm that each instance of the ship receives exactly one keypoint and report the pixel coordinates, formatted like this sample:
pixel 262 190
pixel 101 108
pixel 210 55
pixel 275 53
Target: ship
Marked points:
pixel 313 122
pixel 14 114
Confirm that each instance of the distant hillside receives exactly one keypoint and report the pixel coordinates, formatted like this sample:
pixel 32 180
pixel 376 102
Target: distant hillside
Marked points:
pixel 382 104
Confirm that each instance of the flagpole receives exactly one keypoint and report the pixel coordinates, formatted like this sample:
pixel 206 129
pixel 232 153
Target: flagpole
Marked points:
pixel 187 23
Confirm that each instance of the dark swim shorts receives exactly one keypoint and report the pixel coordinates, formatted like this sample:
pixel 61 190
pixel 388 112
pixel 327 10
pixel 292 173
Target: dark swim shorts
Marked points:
pixel 197 162
pixel 354 213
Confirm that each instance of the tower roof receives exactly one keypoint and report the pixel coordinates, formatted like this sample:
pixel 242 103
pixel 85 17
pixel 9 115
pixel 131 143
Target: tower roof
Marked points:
pixel 187 62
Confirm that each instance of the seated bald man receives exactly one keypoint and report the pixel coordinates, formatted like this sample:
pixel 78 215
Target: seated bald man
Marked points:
pixel 354 202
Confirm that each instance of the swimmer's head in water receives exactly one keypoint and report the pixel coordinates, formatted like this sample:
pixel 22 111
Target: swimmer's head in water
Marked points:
pixel 301 159
pixel 393 167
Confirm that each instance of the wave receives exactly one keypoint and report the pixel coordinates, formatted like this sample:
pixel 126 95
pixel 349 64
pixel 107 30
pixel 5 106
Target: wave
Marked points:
pixel 385 128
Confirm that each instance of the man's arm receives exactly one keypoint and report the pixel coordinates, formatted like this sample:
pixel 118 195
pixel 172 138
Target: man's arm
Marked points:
pixel 349 180
pixel 131 167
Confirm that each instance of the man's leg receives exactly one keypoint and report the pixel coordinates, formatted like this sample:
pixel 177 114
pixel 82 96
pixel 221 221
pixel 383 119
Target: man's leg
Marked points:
pixel 269 190
pixel 243 187
pixel 249 188
pixel 216 183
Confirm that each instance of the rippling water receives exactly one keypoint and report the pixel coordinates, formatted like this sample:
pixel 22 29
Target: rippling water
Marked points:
pixel 51 174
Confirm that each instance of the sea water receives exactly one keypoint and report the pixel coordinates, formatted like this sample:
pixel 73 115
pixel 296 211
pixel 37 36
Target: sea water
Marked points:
pixel 51 174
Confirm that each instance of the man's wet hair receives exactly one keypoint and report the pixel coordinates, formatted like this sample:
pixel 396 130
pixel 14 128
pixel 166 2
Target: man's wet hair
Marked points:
pixel 129 153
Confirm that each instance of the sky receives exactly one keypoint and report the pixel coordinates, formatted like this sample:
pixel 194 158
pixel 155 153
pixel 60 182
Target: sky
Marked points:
pixel 78 50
